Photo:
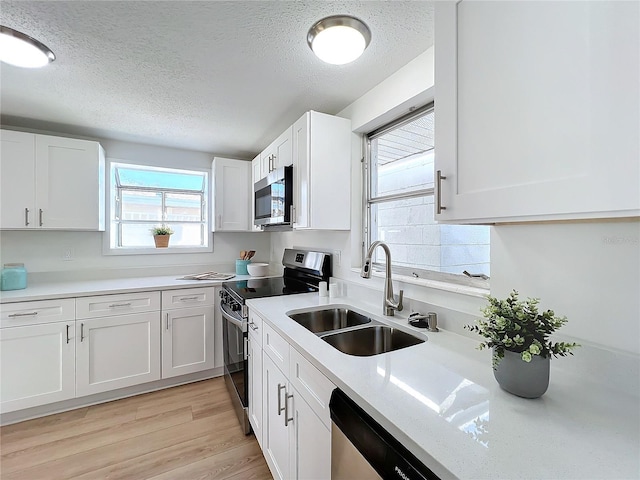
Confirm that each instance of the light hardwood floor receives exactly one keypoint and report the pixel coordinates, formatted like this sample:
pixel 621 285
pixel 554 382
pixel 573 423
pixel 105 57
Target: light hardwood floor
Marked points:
pixel 186 432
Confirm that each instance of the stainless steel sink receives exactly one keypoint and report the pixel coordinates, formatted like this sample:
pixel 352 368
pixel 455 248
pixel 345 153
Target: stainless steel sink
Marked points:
pixel 319 321
pixel 367 341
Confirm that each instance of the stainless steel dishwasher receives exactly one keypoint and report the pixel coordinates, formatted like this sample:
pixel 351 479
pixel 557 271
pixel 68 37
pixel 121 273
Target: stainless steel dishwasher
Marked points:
pixel 362 449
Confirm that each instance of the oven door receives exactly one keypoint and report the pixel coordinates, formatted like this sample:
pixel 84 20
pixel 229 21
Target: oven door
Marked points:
pixel 236 368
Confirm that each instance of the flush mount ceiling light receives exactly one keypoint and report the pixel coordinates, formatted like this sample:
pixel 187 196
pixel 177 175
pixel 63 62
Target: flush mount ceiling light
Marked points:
pixel 339 39
pixel 21 50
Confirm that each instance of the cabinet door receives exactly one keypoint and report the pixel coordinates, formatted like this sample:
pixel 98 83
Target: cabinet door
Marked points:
pixel 283 149
pixel 275 444
pixel 187 341
pixel 231 209
pixel 255 387
pixel 116 352
pixel 301 172
pixel 537 110
pixel 310 442
pixel 17 179
pixel 37 365
pixel 69 183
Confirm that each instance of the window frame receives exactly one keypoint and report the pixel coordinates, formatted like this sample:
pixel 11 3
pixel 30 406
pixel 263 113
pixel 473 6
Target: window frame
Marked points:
pixel 114 205
pixel 408 274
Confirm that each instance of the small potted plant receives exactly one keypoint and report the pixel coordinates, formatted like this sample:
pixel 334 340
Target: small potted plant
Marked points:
pixel 519 335
pixel 161 236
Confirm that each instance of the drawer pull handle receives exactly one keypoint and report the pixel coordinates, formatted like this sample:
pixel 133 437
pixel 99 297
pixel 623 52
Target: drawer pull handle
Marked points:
pixel 26 217
pixel 82 332
pixel 253 326
pixel 67 333
pixel 287 419
pixel 186 299
pixel 167 320
pixel 113 305
pixel 40 217
pixel 30 314
pixel 280 407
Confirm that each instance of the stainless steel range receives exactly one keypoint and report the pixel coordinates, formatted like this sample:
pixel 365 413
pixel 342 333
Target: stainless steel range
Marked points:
pixel 303 270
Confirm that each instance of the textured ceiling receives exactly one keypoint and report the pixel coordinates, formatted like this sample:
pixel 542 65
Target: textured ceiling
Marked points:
pixel 224 77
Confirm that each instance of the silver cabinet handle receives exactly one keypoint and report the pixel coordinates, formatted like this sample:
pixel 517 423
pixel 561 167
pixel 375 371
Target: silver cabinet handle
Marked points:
pixel 220 221
pixel 26 217
pixel 67 333
pixel 30 314
pixel 185 299
pixel 439 178
pixel 40 217
pixel 280 407
pixel 253 326
pixel 114 305
pixel 82 332
pixel 286 409
pixel 167 320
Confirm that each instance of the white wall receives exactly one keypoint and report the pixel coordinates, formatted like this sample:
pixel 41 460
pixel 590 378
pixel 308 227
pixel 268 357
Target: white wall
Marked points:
pixel 42 251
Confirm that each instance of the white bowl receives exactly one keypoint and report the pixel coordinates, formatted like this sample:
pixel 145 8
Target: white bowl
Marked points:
pixel 258 269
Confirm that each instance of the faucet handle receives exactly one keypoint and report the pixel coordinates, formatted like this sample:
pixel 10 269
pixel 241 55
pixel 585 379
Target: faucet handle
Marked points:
pixel 400 295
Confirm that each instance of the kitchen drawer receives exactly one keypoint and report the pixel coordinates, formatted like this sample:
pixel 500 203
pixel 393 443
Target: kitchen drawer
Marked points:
pixel 311 384
pixel 276 347
pixel 112 305
pixel 32 313
pixel 255 327
pixel 187 297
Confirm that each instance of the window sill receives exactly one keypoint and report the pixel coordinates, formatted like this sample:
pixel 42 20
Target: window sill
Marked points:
pixel 476 290
pixel 157 251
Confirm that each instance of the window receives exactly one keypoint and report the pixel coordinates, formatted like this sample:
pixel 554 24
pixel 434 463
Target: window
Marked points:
pixel 399 204
pixel 145 197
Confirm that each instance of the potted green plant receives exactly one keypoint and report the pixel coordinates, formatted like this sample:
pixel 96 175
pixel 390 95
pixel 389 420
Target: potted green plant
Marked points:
pixel 519 335
pixel 161 236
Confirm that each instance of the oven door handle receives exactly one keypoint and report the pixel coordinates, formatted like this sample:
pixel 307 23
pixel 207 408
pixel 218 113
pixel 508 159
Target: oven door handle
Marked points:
pixel 229 316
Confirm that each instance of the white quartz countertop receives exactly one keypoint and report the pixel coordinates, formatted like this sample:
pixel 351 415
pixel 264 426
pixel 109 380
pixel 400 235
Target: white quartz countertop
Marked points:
pixel 441 401
pixel 85 288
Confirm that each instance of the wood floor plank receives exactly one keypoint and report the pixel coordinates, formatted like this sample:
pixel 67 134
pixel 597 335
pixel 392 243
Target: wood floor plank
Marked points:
pixel 184 432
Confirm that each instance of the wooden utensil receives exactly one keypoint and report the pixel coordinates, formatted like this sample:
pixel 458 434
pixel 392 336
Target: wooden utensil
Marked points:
pixel 250 254
pixel 243 254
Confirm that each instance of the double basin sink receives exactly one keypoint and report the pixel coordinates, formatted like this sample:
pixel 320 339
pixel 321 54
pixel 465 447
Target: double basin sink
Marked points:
pixel 354 333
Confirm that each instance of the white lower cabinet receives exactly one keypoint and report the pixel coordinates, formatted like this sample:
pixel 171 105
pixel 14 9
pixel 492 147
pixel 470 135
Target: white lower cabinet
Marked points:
pixel 116 352
pixel 37 365
pixel 187 331
pixel 296 435
pixel 255 375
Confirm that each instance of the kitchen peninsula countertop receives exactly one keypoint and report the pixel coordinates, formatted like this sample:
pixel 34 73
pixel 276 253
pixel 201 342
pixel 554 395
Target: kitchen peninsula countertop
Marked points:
pixel 441 401
pixel 85 288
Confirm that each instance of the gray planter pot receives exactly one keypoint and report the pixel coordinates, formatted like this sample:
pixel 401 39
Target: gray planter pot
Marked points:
pixel 524 379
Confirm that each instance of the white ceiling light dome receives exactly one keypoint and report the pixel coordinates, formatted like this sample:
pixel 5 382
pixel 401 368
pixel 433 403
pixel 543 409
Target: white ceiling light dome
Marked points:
pixel 339 39
pixel 21 50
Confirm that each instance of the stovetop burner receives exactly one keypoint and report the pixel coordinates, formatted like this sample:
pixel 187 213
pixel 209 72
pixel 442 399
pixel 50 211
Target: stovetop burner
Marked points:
pixel 303 270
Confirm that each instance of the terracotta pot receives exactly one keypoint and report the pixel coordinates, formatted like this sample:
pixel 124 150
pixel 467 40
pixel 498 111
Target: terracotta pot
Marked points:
pixel 524 379
pixel 162 241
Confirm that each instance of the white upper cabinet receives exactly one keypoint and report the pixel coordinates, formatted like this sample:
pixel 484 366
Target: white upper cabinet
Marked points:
pixel 231 193
pixel 51 182
pixel 537 110
pixel 322 172
pixel 278 154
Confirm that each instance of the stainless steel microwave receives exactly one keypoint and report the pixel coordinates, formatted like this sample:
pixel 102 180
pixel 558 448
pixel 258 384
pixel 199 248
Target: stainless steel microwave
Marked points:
pixel 273 198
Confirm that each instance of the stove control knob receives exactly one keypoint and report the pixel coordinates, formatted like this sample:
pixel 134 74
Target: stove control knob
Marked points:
pixel 236 307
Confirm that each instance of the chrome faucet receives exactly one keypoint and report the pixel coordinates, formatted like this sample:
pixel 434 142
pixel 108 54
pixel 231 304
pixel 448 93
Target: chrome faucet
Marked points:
pixel 389 305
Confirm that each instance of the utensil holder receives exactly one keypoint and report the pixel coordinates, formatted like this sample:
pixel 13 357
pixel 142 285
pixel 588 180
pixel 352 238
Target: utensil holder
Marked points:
pixel 241 267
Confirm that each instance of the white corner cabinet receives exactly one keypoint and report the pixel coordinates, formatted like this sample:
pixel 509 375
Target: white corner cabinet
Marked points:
pixel 49 182
pixel 278 154
pixel 37 353
pixel 187 331
pixel 231 192
pixel 537 110
pixel 295 429
pixel 322 172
